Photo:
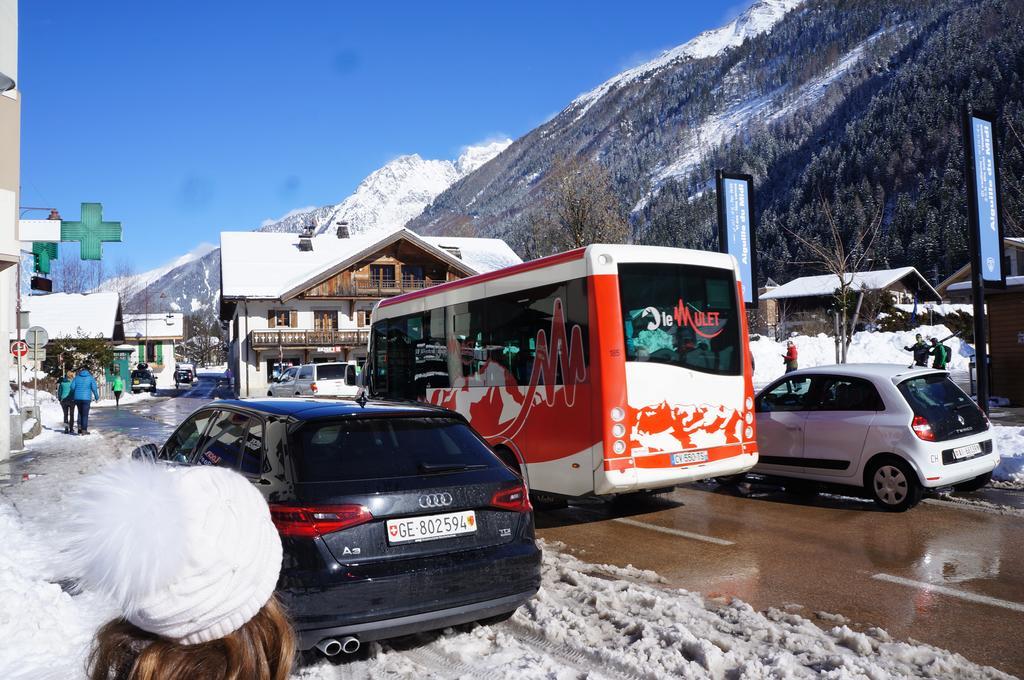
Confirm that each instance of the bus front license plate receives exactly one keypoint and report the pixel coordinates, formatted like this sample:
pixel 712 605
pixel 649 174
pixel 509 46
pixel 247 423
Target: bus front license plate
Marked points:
pixel 967 451
pixel 431 527
pixel 689 457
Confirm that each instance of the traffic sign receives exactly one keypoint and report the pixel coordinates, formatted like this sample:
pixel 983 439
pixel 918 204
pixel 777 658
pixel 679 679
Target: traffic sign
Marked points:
pixel 19 348
pixel 37 337
pixel 36 354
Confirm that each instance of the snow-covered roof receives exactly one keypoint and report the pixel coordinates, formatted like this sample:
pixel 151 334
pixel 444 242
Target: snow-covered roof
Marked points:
pixel 270 265
pixel 481 254
pixel 69 315
pixel 965 286
pixel 170 325
pixel 826 284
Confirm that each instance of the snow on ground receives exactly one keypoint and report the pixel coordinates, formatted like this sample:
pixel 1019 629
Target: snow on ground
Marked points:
pixel 867 347
pixel 605 622
pixel 1010 444
pixel 212 371
pixel 588 620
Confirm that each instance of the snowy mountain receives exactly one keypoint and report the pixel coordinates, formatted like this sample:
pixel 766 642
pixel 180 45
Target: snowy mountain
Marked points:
pixel 856 104
pixel 756 19
pixel 387 198
pixel 392 195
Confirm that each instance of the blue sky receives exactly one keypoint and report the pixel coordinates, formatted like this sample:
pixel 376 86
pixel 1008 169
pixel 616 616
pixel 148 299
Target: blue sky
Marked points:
pixel 193 117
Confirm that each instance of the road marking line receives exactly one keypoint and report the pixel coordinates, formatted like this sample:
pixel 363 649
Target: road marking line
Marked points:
pixel 962 594
pixel 674 532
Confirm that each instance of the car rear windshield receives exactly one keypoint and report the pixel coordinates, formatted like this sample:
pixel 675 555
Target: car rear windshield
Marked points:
pixel 946 407
pixel 681 315
pixel 330 372
pixel 385 448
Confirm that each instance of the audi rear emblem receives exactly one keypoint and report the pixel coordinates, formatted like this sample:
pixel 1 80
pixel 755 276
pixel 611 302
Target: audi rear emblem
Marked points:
pixel 435 500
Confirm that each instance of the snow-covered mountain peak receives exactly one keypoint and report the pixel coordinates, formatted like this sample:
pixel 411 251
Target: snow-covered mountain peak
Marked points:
pixel 760 17
pixel 392 194
pixel 472 157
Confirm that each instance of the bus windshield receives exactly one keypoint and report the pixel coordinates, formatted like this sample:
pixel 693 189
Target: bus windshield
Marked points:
pixel 681 315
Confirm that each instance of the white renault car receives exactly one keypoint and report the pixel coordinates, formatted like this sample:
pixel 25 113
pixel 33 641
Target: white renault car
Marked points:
pixel 891 430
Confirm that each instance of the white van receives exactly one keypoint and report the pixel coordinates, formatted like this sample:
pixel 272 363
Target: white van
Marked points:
pixel 325 380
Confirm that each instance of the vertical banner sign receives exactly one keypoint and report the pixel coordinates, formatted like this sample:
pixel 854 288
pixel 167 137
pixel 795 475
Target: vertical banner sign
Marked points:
pixel 981 168
pixel 986 225
pixel 736 227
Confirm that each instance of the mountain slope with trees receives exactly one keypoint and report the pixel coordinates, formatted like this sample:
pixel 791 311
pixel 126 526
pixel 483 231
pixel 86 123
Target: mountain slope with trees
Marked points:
pixel 849 105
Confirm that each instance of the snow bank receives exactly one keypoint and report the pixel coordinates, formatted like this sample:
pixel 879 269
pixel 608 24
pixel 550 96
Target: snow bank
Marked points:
pixel 1010 443
pixel 867 347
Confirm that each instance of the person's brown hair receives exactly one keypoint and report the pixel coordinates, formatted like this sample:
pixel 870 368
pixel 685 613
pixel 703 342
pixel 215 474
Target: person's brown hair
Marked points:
pixel 262 649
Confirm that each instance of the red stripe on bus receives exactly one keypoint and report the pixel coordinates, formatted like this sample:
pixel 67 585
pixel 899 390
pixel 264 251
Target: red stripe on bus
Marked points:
pixel 548 261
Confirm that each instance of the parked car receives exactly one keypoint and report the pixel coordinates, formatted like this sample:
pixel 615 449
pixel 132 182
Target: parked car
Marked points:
pixel 890 430
pixel 326 380
pixel 394 518
pixel 182 376
pixel 284 384
pixel 143 380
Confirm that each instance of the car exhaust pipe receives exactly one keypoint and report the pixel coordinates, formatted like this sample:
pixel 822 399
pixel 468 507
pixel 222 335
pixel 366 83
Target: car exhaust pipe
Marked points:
pixel 333 647
pixel 329 647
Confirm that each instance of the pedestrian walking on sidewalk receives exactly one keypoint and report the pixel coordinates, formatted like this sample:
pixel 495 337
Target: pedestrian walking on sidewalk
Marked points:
pixel 941 353
pixel 66 397
pixel 191 558
pixel 117 384
pixel 85 391
pixel 790 357
pixel 920 350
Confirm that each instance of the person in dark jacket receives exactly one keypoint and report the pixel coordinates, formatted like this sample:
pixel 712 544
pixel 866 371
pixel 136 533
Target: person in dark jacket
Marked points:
pixel 941 354
pixel 84 390
pixel 920 350
pixel 66 397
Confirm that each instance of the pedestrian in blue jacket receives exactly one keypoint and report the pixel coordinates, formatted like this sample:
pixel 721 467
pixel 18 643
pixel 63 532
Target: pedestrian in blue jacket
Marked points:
pixel 85 391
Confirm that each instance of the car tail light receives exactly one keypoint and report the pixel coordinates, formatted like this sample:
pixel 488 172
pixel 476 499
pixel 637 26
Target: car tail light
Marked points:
pixel 923 429
pixel 312 387
pixel 515 498
pixel 313 521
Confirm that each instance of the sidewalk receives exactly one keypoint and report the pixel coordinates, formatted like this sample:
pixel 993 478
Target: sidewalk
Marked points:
pixel 45 630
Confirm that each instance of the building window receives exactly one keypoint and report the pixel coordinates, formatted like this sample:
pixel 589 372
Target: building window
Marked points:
pixel 382 275
pixel 282 318
pixel 325 320
pixel 362 317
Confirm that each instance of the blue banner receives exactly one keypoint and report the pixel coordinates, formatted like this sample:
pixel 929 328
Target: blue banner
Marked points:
pixel 989 231
pixel 736 230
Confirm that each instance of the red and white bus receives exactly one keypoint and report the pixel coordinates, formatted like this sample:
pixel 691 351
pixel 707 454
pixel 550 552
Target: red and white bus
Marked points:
pixel 608 369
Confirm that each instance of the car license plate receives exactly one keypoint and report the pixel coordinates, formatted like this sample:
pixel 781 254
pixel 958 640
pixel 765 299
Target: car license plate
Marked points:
pixel 431 527
pixel 689 457
pixel 967 451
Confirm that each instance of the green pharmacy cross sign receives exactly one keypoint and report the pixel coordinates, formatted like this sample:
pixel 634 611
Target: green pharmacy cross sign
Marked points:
pixel 43 253
pixel 91 231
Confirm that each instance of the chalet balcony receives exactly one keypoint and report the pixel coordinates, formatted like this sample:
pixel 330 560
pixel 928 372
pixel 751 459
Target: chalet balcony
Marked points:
pixel 371 287
pixel 296 338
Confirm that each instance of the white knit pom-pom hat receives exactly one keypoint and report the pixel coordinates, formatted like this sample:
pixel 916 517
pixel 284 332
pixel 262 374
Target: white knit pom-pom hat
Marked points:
pixel 189 554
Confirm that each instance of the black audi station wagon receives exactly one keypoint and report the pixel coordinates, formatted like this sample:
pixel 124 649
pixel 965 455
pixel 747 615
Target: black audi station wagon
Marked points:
pixel 395 518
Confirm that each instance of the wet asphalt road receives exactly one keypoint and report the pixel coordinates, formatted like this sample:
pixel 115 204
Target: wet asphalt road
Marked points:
pixel 943 573
pixel 154 420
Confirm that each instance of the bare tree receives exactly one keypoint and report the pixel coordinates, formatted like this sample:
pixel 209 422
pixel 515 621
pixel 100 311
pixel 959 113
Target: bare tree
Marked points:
pixel 581 208
pixel 843 257
pixel 204 339
pixel 124 282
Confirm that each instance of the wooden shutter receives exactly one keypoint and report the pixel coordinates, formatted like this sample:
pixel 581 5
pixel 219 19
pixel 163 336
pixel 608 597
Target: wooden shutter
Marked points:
pixel 293 319
pixel 271 319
